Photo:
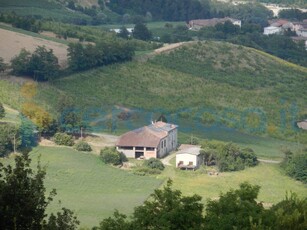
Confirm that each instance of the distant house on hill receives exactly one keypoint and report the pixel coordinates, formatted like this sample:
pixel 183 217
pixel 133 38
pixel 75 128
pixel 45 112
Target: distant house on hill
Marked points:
pixel 200 23
pixel 189 158
pixel 272 30
pixel 278 26
pixel 155 140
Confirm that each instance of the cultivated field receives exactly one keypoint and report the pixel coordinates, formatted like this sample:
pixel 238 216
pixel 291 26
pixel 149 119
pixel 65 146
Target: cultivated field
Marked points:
pixel 12 42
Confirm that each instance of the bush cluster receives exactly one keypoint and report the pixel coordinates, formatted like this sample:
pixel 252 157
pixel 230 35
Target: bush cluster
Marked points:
pixel 83 146
pixel 154 163
pixel 110 155
pixel 228 156
pixel 295 165
pixel 63 139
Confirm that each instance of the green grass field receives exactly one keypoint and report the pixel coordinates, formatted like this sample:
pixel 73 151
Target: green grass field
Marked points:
pixel 274 184
pixel 90 188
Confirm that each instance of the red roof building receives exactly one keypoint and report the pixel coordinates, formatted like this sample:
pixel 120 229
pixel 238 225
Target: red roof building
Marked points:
pixel 155 140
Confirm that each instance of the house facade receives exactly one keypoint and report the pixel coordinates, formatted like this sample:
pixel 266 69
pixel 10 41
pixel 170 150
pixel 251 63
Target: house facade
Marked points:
pixel 152 141
pixel 189 158
pixel 272 30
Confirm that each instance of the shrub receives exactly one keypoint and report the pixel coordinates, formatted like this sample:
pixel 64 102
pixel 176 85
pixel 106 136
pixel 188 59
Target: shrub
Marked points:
pixel 143 171
pixel 109 155
pixel 295 166
pixel 154 163
pixel 83 146
pixel 63 139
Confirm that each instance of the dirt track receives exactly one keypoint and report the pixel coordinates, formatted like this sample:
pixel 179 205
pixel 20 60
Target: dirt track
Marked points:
pixel 12 42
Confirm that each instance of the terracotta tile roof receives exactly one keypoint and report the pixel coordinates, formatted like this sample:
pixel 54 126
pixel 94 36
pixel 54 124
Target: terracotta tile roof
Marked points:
pixel 147 136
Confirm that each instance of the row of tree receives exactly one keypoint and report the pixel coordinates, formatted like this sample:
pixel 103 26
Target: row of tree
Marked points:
pixel 168 10
pixel 103 53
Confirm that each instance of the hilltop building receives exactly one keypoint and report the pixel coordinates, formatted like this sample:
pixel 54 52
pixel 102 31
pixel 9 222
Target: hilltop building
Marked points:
pixel 155 140
pixel 200 23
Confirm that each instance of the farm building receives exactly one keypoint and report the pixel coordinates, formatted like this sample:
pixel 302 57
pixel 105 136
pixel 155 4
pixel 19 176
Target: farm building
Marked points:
pixel 155 140
pixel 189 158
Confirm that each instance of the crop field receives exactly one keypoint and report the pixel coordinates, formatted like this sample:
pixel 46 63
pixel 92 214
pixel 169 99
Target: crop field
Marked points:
pixel 42 8
pixel 13 42
pixel 90 188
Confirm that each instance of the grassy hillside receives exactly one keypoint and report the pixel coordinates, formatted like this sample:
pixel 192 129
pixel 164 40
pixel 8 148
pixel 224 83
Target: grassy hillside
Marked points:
pixel 274 184
pixel 90 188
pixel 211 83
pixel 200 86
pixel 42 8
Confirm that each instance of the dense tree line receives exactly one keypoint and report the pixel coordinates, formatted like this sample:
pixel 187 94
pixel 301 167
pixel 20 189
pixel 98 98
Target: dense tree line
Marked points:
pixel 41 65
pixel 103 53
pixel 29 23
pixel 237 209
pixel 168 10
pixel 227 156
pixel 293 14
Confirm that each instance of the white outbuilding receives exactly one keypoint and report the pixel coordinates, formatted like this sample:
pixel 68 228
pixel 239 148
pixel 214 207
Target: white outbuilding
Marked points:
pixel 189 158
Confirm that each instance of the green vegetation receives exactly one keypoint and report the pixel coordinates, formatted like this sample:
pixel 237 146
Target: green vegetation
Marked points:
pixel 237 209
pixel 151 166
pixel 227 156
pixel 92 189
pixel 109 155
pixel 43 9
pixel 83 146
pixel 41 65
pixel 295 165
pixel 2 111
pixel 23 199
pixel 269 177
pixel 9 138
pixel 63 139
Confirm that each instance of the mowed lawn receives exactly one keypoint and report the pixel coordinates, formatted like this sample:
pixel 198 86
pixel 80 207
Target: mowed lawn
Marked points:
pixel 90 188
pixel 274 184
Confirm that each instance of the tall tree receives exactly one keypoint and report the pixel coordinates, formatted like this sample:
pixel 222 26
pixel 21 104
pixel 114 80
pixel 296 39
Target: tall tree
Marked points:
pixel 23 201
pixel 141 32
pixel 2 111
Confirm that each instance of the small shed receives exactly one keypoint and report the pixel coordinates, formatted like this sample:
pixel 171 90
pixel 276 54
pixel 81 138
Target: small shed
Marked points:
pixel 189 158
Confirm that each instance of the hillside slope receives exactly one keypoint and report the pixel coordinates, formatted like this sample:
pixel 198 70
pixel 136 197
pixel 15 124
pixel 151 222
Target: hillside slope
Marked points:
pixel 210 83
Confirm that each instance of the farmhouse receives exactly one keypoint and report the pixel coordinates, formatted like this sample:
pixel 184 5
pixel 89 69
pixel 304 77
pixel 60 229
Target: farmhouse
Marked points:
pixel 155 140
pixel 200 23
pixel 272 30
pixel 189 158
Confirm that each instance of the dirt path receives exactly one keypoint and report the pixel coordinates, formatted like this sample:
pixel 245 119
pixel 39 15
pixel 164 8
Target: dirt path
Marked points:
pixel 269 161
pixel 169 47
